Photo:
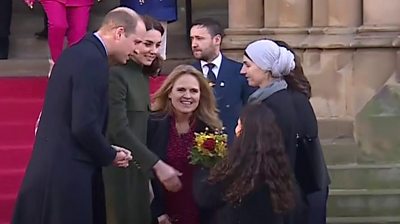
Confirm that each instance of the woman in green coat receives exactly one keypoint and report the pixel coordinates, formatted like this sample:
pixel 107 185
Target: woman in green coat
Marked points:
pixel 127 190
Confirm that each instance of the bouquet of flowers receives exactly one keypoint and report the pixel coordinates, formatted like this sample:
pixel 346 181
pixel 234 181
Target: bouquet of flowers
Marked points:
pixel 209 148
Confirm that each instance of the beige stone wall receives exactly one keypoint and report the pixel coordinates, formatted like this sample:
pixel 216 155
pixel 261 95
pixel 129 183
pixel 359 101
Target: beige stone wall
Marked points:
pixel 348 48
pixel 287 13
pixel 336 13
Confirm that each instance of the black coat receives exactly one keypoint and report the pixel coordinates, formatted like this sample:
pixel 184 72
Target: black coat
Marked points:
pixel 63 184
pixel 157 141
pixel 307 125
pixel 285 114
pixel 255 208
pixel 281 104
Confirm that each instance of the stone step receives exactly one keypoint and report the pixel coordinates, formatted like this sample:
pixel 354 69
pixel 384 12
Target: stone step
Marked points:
pixel 28 48
pixel 24 67
pixel 363 203
pixel 340 150
pixel 25 45
pixel 364 220
pixel 366 176
pixel 332 128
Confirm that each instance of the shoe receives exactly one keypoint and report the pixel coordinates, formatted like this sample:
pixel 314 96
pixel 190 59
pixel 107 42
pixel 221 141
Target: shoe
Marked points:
pixel 41 34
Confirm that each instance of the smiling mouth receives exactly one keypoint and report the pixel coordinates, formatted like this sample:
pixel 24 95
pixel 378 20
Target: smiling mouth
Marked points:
pixel 185 102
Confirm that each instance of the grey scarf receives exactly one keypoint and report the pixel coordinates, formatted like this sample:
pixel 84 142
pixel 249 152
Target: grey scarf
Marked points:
pixel 263 93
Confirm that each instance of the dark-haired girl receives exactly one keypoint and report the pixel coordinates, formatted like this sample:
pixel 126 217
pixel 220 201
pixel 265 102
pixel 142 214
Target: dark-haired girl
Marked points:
pixel 254 183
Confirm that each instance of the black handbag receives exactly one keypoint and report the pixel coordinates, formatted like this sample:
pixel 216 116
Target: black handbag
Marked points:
pixel 310 166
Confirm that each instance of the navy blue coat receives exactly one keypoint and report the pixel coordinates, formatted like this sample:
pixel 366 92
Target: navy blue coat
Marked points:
pixel 63 182
pixel 162 10
pixel 231 91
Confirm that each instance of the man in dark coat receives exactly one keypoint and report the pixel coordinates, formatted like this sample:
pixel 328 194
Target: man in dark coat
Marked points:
pixel 63 182
pixel 230 87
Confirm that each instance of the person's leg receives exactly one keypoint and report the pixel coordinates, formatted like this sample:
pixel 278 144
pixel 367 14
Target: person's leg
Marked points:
pixel 317 207
pixel 78 20
pixel 45 23
pixel 5 23
pixel 44 32
pixel 163 47
pixel 57 25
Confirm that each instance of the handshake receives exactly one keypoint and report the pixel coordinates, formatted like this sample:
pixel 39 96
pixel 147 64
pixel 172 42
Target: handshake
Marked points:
pixel 122 157
pixel 167 175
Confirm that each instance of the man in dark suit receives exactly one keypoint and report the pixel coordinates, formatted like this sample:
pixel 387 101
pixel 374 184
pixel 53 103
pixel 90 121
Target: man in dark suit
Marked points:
pixel 230 87
pixel 63 182
pixel 5 23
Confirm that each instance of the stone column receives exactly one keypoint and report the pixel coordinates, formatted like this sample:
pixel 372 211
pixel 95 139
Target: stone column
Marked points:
pixel 337 13
pixel 320 12
pixel 287 13
pixel 381 13
pixel 246 14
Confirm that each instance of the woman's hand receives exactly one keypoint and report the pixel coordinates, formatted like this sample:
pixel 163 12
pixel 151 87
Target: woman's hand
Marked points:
pixel 29 3
pixel 164 219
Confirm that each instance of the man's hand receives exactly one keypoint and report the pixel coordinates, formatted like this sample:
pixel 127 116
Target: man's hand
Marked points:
pixel 168 176
pixel 122 157
pixel 164 219
pixel 29 3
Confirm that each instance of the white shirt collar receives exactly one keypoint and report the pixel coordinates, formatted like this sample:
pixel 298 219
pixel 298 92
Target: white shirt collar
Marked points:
pixel 96 34
pixel 217 62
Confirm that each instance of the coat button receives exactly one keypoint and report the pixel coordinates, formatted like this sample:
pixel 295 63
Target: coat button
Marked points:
pixel 227 106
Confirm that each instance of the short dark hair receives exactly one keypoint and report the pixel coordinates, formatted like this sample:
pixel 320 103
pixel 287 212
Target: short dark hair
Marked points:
pixel 213 26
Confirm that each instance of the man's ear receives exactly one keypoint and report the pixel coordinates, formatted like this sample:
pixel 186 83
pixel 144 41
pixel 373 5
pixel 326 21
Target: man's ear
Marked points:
pixel 218 39
pixel 119 32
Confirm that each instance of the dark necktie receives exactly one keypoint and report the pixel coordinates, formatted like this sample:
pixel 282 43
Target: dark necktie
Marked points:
pixel 211 75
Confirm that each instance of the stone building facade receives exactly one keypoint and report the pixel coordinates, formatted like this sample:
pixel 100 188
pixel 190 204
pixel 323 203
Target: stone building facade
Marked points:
pixel 350 53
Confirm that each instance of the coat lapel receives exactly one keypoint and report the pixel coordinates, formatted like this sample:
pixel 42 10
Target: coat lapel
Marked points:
pixel 223 78
pixel 197 65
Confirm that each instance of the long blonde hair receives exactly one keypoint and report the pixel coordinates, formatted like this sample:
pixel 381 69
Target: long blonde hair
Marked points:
pixel 206 111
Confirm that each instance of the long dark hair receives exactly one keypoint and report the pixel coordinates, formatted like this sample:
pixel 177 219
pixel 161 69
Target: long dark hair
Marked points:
pixel 153 24
pixel 296 80
pixel 256 158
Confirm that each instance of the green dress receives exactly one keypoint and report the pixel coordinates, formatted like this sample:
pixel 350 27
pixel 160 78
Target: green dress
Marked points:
pixel 127 190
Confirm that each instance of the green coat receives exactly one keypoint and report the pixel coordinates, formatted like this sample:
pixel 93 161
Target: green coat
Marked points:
pixel 127 190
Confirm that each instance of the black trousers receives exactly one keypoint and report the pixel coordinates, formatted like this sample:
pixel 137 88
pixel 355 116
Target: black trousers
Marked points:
pixel 5 23
pixel 317 206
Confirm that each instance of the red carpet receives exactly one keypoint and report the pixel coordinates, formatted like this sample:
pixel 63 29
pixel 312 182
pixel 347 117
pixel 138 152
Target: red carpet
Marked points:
pixel 21 100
